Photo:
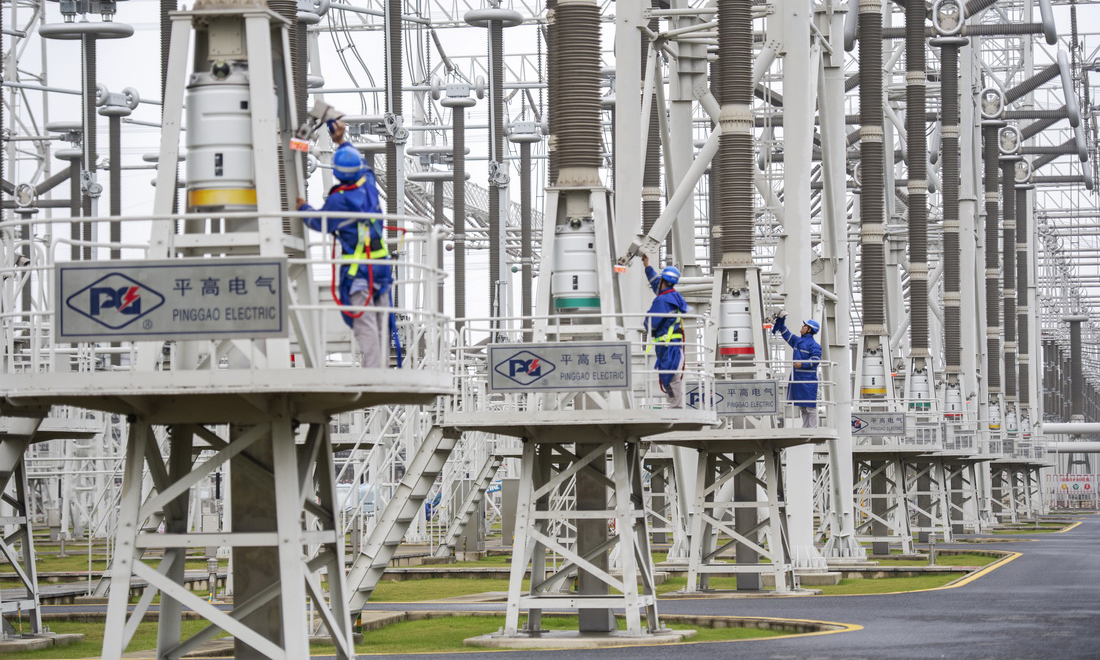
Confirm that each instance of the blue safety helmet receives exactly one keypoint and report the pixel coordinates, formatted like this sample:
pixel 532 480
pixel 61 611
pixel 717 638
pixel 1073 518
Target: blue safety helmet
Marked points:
pixel 347 164
pixel 813 325
pixel 670 274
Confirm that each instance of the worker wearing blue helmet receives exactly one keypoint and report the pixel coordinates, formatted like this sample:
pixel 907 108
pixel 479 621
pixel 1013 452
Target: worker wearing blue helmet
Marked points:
pixel 360 285
pixel 666 330
pixel 802 389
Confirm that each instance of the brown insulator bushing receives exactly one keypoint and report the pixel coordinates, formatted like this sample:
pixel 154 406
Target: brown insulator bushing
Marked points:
pixel 872 199
pixel 1022 334
pixel 1008 190
pixel 1056 114
pixel 735 52
pixel 651 170
pixel 975 6
pixel 991 161
pixel 735 145
pixel 578 136
pixel 917 148
pixel 1031 84
pixel 950 181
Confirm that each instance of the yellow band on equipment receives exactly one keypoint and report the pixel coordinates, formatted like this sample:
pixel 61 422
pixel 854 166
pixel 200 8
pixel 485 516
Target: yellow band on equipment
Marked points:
pixel 222 197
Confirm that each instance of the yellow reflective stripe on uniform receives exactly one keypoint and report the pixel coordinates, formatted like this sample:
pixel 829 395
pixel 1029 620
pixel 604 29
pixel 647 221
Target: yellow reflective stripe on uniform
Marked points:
pixel 669 335
pixel 361 251
pixel 672 331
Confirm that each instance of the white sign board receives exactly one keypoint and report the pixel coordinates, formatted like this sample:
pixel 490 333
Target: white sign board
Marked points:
pixel 877 423
pixel 238 297
pixel 559 367
pixel 740 397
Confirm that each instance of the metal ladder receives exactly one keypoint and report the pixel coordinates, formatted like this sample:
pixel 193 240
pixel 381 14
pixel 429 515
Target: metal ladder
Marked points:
pixel 406 504
pixel 470 504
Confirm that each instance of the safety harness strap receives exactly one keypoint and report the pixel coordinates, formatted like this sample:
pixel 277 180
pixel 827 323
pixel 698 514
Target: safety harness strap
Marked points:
pixel 361 250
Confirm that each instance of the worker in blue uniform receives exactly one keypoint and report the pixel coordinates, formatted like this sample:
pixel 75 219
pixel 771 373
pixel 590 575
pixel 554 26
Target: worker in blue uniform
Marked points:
pixel 802 388
pixel 666 330
pixel 360 285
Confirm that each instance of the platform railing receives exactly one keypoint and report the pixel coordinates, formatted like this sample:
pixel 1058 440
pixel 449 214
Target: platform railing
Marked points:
pixel 31 250
pixel 730 379
pixel 469 357
pixel 927 426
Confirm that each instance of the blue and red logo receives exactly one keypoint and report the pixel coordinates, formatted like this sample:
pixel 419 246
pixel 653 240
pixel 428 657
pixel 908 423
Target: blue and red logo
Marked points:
pixel 115 301
pixel 524 368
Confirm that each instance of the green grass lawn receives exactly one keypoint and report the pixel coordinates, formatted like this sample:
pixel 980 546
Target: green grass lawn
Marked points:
pixel 1043 529
pixel 943 560
pixel 888 585
pixel 434 589
pixel 445 634
pixel 145 638
pixel 492 561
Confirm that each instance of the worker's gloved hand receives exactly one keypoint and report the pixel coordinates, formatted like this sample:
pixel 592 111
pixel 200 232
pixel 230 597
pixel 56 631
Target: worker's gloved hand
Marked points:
pixel 336 129
pixel 779 322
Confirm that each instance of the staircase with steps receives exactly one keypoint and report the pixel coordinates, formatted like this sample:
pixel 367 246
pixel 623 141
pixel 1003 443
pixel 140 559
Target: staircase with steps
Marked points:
pixel 403 508
pixel 470 504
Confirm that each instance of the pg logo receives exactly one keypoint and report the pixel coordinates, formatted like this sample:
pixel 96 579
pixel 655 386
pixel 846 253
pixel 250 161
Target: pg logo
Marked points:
pixel 115 301
pixel 524 368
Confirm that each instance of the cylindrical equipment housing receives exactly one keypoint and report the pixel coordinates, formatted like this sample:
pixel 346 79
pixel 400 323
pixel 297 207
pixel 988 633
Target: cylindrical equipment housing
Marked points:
pixel 953 401
pixel 919 390
pixel 735 326
pixel 574 285
pixel 873 381
pixel 220 162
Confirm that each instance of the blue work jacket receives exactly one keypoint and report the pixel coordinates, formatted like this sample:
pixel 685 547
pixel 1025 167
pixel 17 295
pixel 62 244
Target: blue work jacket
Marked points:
pixel 666 330
pixel 359 196
pixel 802 389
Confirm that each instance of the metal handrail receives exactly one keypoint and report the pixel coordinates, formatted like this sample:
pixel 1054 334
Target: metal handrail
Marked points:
pixel 26 340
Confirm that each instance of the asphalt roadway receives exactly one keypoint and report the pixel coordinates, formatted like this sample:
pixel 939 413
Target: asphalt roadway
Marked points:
pixel 1044 603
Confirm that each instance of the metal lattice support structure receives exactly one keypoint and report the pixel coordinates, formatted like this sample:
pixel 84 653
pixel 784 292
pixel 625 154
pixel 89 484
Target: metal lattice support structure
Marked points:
pixel 760 534
pixel 883 516
pixel 548 468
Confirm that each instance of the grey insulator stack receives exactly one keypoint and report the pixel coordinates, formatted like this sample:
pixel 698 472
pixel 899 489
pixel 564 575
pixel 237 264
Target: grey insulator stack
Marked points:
pixel 552 83
pixel 1008 189
pixel 1022 310
pixel 949 171
pixel 88 47
pixel 872 198
pixel 166 9
pixel 1067 386
pixel 1077 377
pixel 288 9
pixel 577 93
pixel 74 206
pixel 735 146
pixel 651 173
pixel 525 255
pixel 915 79
pixel 437 209
pixel 393 95
pixel 458 197
pixel 526 258
pixel 714 204
pixel 114 152
pixel 496 182
pixel 992 260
